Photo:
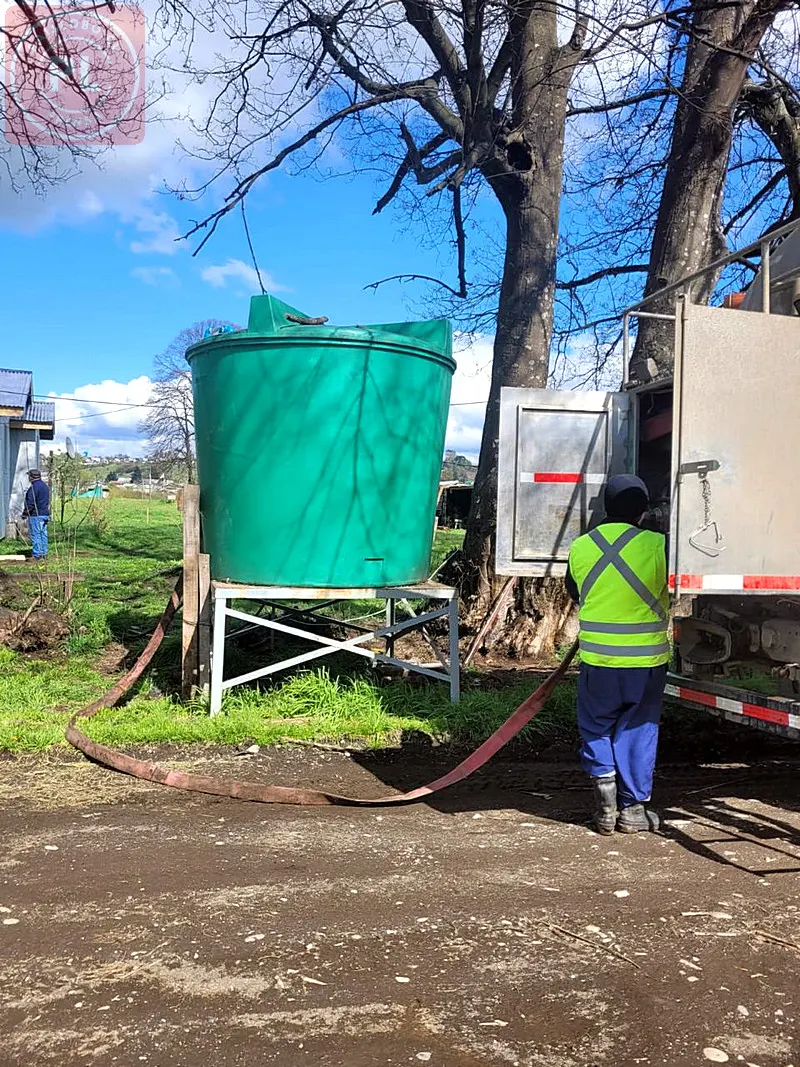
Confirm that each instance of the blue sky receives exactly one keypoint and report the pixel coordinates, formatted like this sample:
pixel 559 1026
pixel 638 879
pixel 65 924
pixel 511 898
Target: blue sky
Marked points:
pixel 98 289
pixel 99 286
pixel 105 305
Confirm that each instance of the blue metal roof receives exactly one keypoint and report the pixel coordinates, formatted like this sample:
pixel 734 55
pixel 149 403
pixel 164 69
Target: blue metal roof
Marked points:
pixel 44 413
pixel 16 387
pixel 16 391
pixel 41 411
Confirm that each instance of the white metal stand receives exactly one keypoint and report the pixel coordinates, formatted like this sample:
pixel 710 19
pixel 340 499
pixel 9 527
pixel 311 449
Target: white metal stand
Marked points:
pixel 223 593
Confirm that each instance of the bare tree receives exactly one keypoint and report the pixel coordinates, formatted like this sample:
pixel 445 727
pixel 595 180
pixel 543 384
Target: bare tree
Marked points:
pixel 169 425
pixel 453 100
pixel 456 101
pixel 723 40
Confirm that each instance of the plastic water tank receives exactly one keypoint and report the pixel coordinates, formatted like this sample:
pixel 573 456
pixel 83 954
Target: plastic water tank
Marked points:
pixel 319 448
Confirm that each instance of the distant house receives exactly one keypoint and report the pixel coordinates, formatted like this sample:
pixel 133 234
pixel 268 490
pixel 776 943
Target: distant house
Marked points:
pixel 24 422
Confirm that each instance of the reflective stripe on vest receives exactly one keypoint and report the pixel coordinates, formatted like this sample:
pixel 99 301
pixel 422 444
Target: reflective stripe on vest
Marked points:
pixel 592 631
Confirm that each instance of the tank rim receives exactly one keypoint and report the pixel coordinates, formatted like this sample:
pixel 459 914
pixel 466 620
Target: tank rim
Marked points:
pixel 344 336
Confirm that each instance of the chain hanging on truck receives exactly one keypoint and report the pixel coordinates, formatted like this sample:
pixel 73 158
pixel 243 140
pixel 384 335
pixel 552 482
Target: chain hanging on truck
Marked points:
pixel 699 539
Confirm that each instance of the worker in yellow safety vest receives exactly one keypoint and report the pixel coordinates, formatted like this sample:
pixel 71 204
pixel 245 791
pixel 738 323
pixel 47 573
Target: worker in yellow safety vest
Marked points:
pixel 617 573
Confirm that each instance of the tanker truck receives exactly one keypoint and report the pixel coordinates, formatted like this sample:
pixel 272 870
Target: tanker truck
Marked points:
pixel 718 444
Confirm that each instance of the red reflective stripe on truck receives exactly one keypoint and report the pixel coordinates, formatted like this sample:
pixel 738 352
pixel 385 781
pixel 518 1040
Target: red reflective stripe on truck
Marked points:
pixel 755 711
pixel 572 479
pixel 688 581
pixel 697 697
pixel 737 707
pixel 711 582
pixel 771 581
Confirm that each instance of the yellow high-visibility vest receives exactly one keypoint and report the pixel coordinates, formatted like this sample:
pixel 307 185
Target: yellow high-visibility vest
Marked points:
pixel 621 575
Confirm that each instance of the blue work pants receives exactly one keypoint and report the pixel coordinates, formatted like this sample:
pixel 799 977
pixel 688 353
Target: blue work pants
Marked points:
pixel 37 526
pixel 619 709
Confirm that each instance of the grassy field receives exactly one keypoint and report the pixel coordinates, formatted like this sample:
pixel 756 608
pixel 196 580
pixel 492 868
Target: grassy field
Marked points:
pixel 126 558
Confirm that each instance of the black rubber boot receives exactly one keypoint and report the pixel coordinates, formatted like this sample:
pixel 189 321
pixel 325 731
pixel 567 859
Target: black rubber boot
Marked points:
pixel 605 796
pixel 637 819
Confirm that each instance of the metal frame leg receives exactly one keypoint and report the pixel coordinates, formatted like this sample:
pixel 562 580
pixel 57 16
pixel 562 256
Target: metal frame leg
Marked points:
pixel 391 614
pixel 455 666
pixel 447 601
pixel 218 655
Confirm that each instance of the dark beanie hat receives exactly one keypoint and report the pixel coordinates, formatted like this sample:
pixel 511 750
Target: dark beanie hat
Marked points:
pixel 626 498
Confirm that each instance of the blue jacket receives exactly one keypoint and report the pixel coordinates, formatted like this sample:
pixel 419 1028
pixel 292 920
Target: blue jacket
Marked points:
pixel 37 499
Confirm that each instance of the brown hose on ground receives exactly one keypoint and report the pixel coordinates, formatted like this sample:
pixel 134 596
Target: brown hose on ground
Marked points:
pixel 279 794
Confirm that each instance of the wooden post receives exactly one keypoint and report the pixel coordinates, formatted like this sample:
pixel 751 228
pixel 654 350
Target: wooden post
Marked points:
pixel 436 512
pixel 191 588
pixel 204 623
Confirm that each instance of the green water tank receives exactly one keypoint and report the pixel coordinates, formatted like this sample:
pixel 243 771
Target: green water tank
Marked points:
pixel 319 448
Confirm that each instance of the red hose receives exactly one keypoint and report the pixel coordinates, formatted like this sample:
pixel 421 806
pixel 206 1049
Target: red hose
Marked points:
pixel 279 794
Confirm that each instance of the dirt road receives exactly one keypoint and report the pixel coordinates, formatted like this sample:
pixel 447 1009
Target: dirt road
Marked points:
pixel 147 928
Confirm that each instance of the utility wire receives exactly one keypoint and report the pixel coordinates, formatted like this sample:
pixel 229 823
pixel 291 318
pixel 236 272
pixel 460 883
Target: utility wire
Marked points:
pixel 84 400
pixel 88 400
pixel 101 414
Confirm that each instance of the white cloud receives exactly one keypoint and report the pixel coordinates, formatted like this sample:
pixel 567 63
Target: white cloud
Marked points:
pixel 162 234
pixel 103 418
pixel 586 365
pixel 237 270
pixel 154 275
pixel 471 383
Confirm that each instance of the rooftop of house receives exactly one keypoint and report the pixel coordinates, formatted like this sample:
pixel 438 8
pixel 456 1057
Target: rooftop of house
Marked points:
pixel 18 405
pixel 16 388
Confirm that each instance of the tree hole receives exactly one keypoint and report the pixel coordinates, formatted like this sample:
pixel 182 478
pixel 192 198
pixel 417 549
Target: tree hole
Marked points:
pixel 519 156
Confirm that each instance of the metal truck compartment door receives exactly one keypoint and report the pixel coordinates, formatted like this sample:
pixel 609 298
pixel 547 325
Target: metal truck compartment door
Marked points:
pixel 736 495
pixel 556 450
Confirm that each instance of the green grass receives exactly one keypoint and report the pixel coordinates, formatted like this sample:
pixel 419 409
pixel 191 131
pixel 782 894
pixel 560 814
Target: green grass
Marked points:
pixel 37 701
pixel 119 550
pixel 122 556
pixel 754 681
pixel 445 542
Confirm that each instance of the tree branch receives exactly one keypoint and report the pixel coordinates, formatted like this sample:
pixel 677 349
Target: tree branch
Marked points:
pixel 607 272
pixel 765 190
pixel 412 162
pixel 44 41
pixel 616 105
pixel 414 278
pixel 245 185
pixel 500 69
pixel 423 19
pixel 432 103
pixel 461 242
pixel 631 27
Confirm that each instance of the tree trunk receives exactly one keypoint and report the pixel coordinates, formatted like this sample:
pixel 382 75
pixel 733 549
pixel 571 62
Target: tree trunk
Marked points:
pixel 527 182
pixel 521 353
pixel 688 232
pixel 776 111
